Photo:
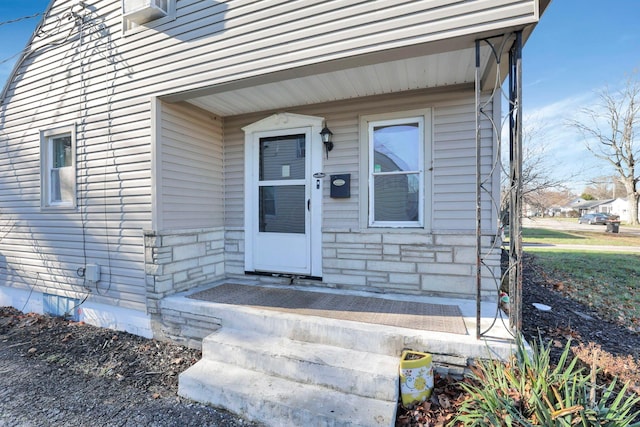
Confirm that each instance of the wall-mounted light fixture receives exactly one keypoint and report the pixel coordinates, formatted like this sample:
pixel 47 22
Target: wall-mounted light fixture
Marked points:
pixel 326 135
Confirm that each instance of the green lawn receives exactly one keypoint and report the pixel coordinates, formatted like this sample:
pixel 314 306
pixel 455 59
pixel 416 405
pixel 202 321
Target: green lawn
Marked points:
pixel 608 282
pixel 596 237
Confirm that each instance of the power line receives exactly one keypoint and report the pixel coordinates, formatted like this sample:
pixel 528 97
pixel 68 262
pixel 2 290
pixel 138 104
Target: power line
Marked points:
pixel 11 21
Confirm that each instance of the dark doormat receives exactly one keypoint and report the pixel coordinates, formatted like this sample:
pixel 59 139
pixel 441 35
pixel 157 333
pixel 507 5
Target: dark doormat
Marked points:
pixel 404 314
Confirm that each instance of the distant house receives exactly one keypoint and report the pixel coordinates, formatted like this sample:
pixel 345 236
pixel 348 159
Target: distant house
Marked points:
pixel 620 207
pixel 591 206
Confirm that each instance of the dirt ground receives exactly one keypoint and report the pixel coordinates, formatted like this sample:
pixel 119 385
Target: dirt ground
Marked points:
pixel 59 373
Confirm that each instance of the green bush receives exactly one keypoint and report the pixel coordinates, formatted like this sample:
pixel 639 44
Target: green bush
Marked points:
pixel 528 391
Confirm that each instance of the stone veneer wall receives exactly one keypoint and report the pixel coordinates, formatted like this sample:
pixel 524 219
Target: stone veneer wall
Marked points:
pixel 234 251
pixel 406 262
pixel 177 261
pixel 400 261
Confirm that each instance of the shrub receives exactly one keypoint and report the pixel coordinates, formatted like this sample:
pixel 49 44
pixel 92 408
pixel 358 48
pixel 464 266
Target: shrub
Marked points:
pixel 528 391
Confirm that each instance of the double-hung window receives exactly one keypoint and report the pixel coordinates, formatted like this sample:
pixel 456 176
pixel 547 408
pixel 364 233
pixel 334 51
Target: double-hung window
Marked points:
pixel 396 172
pixel 58 168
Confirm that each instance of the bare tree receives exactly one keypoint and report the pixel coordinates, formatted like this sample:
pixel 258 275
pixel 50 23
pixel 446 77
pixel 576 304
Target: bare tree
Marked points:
pixel 540 171
pixel 609 129
pixel 605 187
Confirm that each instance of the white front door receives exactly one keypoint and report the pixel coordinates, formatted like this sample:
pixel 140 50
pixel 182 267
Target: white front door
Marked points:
pixel 282 198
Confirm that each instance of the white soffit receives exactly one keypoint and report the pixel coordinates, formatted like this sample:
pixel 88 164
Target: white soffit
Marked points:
pixel 437 70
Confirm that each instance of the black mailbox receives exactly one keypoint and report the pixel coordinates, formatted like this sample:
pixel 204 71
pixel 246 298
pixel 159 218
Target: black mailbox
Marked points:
pixel 341 186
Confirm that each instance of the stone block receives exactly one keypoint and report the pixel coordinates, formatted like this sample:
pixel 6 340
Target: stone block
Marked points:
pixel 329 253
pixel 328 237
pixel 388 249
pixel 361 253
pixel 183 252
pixel 164 286
pixel 152 240
pixel 211 236
pixel 395 286
pixel 346 264
pixel 234 256
pixel 210 269
pixel 154 269
pixel 464 254
pixel 211 259
pixel 407 239
pixel 446 257
pixel 461 285
pixel 445 269
pixel 455 240
pixel 388 266
pixel 342 279
pixel 231 247
pixel 358 238
pixel 404 278
pixel 234 235
pixel 180 266
pixel 179 239
pixel 180 276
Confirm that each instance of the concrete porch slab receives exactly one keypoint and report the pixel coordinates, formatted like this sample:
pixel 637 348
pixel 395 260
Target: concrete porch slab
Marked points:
pixel 496 343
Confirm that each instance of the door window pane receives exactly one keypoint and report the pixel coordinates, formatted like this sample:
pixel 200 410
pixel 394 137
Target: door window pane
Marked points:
pixel 282 209
pixel 282 157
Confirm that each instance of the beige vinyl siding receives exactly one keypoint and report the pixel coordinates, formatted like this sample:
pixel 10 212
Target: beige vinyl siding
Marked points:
pixel 104 81
pixel 216 42
pixel 454 173
pixel 191 171
pixel 453 177
pixel 240 39
pixel 43 250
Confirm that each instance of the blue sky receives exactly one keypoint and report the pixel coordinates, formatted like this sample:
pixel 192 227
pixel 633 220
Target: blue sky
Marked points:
pixel 578 48
pixel 15 36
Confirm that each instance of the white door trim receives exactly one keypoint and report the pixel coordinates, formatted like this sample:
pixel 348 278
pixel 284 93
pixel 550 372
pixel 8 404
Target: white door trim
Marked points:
pixel 281 124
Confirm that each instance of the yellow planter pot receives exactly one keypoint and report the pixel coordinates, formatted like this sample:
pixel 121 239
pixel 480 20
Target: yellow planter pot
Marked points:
pixel 416 377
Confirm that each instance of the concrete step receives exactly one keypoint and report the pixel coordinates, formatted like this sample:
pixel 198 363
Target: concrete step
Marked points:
pixel 279 402
pixel 380 339
pixel 346 370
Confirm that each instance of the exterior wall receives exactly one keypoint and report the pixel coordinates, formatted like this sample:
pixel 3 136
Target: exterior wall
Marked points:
pixel 43 250
pixel 189 177
pixel 213 42
pixel 453 174
pixel 620 207
pixel 178 261
pixel 439 258
pixel 102 81
pixel 404 261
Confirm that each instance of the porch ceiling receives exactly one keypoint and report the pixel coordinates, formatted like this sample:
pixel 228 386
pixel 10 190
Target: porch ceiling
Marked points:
pixel 428 71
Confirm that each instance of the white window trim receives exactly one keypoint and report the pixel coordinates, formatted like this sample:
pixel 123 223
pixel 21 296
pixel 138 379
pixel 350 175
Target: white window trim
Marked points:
pixel 366 177
pixel 46 156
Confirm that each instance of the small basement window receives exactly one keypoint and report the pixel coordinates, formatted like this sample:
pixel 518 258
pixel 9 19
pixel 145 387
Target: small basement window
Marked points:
pixel 148 13
pixel 59 306
pixel 58 168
